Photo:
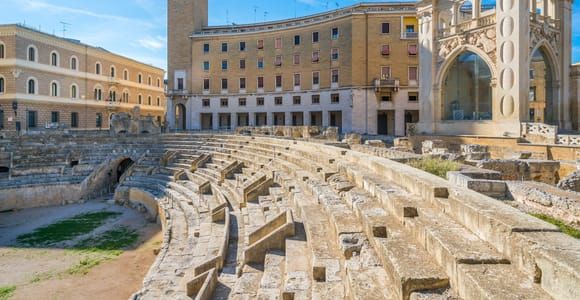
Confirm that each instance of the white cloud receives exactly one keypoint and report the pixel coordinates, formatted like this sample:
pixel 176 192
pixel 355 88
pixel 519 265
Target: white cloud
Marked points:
pixel 153 43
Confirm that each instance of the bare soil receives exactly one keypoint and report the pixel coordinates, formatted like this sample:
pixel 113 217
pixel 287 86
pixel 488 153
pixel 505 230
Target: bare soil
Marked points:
pixel 41 273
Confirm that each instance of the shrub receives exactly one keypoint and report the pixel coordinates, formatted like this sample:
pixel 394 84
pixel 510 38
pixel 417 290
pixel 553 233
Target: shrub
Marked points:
pixel 435 166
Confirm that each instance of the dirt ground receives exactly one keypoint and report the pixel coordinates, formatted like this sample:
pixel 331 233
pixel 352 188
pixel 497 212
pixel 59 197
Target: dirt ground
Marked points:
pixel 41 273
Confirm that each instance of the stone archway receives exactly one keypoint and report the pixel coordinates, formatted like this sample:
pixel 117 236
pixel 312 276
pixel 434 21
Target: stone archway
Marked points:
pixel 180 117
pixel 122 167
pixel 543 94
pixel 466 89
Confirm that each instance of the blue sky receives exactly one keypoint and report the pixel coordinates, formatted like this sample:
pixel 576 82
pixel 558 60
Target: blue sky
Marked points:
pixel 137 28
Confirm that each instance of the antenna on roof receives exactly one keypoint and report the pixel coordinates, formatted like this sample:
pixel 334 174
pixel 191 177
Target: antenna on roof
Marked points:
pixel 64 25
pixel 255 12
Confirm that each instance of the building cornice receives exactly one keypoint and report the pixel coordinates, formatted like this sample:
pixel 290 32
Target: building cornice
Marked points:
pixel 16 64
pixel 288 24
pixel 38 99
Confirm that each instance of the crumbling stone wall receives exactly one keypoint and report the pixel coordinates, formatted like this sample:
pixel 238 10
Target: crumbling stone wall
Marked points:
pixel 545 171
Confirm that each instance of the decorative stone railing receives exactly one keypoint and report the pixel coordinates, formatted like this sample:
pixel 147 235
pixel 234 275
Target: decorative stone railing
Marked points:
pixel 539 133
pixel 567 139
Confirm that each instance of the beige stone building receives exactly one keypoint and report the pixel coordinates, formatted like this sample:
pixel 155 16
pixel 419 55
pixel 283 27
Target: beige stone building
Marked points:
pixel 52 82
pixel 355 68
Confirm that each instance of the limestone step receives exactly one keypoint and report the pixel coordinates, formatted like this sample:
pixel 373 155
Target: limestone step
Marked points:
pixel 297 282
pixel 248 283
pixel 271 283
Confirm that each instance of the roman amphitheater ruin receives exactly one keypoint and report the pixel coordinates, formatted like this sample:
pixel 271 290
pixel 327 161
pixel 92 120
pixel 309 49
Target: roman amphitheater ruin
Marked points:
pixel 294 213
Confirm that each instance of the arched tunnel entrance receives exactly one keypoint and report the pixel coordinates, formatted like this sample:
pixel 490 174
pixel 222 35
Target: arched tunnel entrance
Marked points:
pixel 122 167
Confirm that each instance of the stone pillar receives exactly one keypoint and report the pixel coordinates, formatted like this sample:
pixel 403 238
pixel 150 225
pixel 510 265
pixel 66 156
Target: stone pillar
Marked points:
pixel 306 118
pixel 233 121
pixel 270 118
pixel 476 9
pixel 216 121
pixel 252 119
pixel 511 99
pixel 288 118
pixel 427 68
pixel 325 118
pixel 170 113
pixel 565 15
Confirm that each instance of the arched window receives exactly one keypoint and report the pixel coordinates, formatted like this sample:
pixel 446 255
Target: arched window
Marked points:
pixel 158 82
pixel 54 59
pixel 125 96
pixel 54 89
pixel 74 91
pixel 31 86
pixel 2 85
pixel 32 53
pixel 467 92
pixel 2 54
pixel 125 75
pixel 149 100
pixel 98 94
pixel 113 71
pixel 149 80
pixel 140 78
pixel 98 68
pixel 73 63
pixel 542 107
pixel 158 101
pixel 112 96
pixel 140 99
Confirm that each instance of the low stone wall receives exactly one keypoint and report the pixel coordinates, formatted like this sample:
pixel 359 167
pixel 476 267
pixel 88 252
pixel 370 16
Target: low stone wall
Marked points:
pixel 304 132
pixel 39 196
pixel 545 171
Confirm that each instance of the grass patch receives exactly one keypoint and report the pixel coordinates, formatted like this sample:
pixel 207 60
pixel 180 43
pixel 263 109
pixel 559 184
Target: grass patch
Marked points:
pixel 571 231
pixel 65 230
pixel 435 166
pixel 6 291
pixel 105 246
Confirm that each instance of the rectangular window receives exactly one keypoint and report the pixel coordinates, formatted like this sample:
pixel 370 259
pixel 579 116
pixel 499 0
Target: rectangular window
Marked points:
pixel 296 79
pixel 278 43
pixel 205 48
pixel 334 76
pixel 278 81
pixel 410 28
pixel 205 102
pixel 32 118
pixel 413 73
pixel 260 82
pixel 296 59
pixel 385 73
pixel 296 40
pixel 315 78
pixel 242 83
pixel 99 120
pixel 334 33
pixel 385 50
pixel 278 61
pixel 242 64
pixel 74 120
pixel 224 47
pixel 54 117
pixel 260 63
pixel 278 100
pixel 260 101
pixel 260 44
pixel 413 97
pixel 386 28
pixel 206 65
pixel 242 102
pixel 296 100
pixel 315 37
pixel 315 99
pixel 224 64
pixel 315 56
pixel 412 49
pixel 224 102
pixel 224 84
pixel 206 84
pixel 242 46
pixel 334 98
pixel 180 84
pixel 386 97
pixel 334 54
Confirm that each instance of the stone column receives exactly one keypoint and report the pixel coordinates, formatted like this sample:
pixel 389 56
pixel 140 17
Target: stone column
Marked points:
pixel 565 15
pixel 428 56
pixel 513 47
pixel 170 113
pixel 216 121
pixel 476 9
pixel 233 121
pixel 288 118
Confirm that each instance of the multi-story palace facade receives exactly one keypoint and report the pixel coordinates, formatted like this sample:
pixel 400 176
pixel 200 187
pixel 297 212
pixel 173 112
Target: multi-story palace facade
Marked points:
pixel 355 68
pixel 48 81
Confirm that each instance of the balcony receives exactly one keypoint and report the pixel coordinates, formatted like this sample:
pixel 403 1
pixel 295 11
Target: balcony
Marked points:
pixel 409 35
pixel 177 93
pixel 387 85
